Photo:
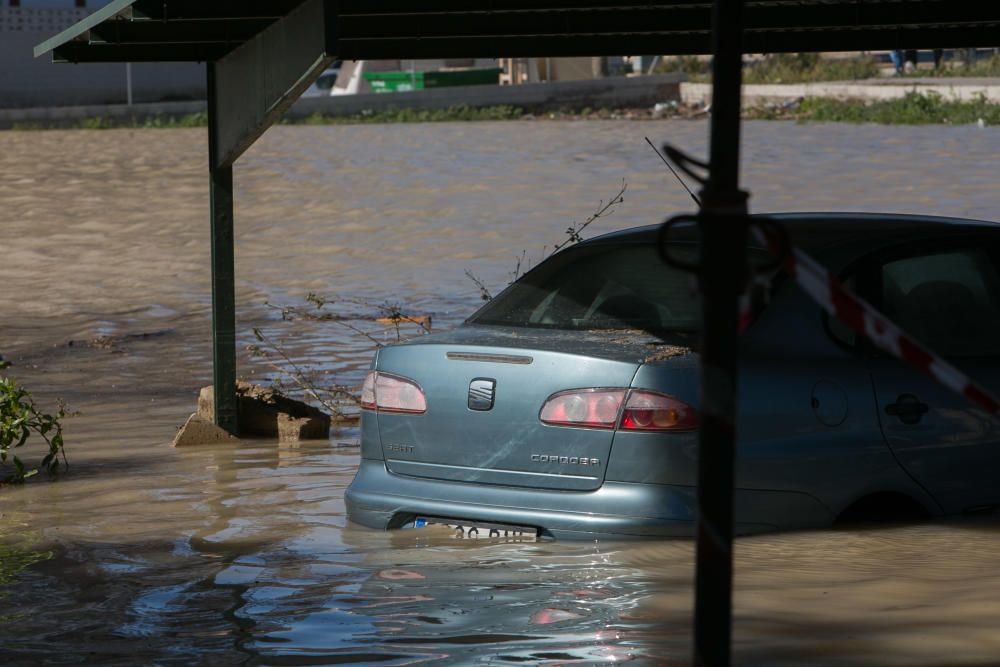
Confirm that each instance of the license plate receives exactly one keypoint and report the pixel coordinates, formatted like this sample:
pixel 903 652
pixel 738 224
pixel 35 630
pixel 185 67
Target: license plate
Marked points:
pixel 480 531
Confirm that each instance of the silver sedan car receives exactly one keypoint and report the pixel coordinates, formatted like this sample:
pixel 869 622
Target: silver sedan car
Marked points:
pixel 567 406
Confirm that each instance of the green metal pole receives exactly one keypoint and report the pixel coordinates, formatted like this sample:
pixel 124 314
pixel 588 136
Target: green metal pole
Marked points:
pixel 223 275
pixel 723 276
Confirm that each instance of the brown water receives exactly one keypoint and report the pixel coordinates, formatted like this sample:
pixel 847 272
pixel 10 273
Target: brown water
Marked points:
pixel 242 554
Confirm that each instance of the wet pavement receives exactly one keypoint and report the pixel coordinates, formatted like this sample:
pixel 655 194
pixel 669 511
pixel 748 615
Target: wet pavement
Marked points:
pixel 242 554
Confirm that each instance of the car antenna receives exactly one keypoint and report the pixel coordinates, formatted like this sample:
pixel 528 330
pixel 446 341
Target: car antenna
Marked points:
pixel 674 172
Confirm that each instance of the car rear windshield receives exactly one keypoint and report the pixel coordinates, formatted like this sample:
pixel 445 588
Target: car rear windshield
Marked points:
pixel 601 287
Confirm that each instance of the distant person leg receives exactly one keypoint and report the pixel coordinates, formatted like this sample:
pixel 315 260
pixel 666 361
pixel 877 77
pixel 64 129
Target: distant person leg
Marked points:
pixel 897 60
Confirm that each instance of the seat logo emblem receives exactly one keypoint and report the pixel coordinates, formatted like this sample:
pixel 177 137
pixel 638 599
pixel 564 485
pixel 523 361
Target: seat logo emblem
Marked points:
pixel 481 394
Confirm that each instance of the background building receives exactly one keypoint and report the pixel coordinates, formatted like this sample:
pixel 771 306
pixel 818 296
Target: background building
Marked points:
pixel 26 81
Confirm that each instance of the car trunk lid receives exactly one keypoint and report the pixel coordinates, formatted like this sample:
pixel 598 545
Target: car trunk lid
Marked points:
pixel 505 443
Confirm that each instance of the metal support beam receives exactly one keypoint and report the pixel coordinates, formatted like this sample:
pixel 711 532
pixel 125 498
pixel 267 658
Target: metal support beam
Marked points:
pixel 723 272
pixel 223 273
pixel 260 79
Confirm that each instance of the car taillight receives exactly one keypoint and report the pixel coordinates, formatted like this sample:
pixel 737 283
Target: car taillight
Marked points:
pixel 651 411
pixel 368 392
pixel 593 408
pixel 390 393
pixel 600 408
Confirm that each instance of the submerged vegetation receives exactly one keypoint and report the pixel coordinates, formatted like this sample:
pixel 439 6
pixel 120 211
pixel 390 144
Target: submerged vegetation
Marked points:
pixel 911 109
pixel 20 419
pixel 13 561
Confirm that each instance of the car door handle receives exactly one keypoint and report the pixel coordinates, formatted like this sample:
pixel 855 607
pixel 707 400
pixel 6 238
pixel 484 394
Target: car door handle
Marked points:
pixel 907 408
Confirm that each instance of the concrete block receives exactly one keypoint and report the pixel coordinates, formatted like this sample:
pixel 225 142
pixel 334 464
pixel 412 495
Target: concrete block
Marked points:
pixel 268 414
pixel 199 431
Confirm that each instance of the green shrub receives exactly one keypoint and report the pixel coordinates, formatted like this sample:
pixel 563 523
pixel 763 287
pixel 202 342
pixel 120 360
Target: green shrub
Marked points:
pixel 20 418
pixel 199 119
pixel 95 123
pixel 806 67
pixel 698 70
pixel 912 109
pixel 780 68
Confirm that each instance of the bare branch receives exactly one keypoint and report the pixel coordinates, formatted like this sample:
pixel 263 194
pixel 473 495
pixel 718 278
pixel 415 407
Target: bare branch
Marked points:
pixel 520 266
pixel 298 375
pixel 484 292
pixel 574 232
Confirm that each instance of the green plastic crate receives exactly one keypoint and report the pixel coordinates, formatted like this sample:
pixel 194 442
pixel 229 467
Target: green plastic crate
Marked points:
pixel 394 82
pixel 398 82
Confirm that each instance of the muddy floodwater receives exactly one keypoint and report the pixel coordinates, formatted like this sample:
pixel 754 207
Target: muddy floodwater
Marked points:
pixel 242 554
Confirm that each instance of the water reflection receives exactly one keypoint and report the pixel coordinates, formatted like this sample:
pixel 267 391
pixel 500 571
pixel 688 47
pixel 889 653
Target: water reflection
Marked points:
pixel 262 566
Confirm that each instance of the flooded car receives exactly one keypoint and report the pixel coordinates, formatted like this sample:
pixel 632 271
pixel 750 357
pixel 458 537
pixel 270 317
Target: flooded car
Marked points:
pixel 568 406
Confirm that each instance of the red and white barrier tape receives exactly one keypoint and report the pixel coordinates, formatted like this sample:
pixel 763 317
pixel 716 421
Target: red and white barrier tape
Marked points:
pixel 860 316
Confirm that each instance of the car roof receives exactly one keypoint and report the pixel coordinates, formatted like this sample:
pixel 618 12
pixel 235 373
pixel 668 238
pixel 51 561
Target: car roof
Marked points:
pixel 829 234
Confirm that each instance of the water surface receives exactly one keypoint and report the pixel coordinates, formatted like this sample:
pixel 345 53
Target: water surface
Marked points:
pixel 242 554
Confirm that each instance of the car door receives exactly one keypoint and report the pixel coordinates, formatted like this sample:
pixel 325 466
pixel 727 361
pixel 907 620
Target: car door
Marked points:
pixel 947 296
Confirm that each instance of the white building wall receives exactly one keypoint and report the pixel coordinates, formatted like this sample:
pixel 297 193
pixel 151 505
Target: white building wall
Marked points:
pixel 26 81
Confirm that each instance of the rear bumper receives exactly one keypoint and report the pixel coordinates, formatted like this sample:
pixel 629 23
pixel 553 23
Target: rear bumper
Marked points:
pixel 617 510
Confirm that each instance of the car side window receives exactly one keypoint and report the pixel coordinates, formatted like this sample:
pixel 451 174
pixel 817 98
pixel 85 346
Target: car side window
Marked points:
pixel 949 300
